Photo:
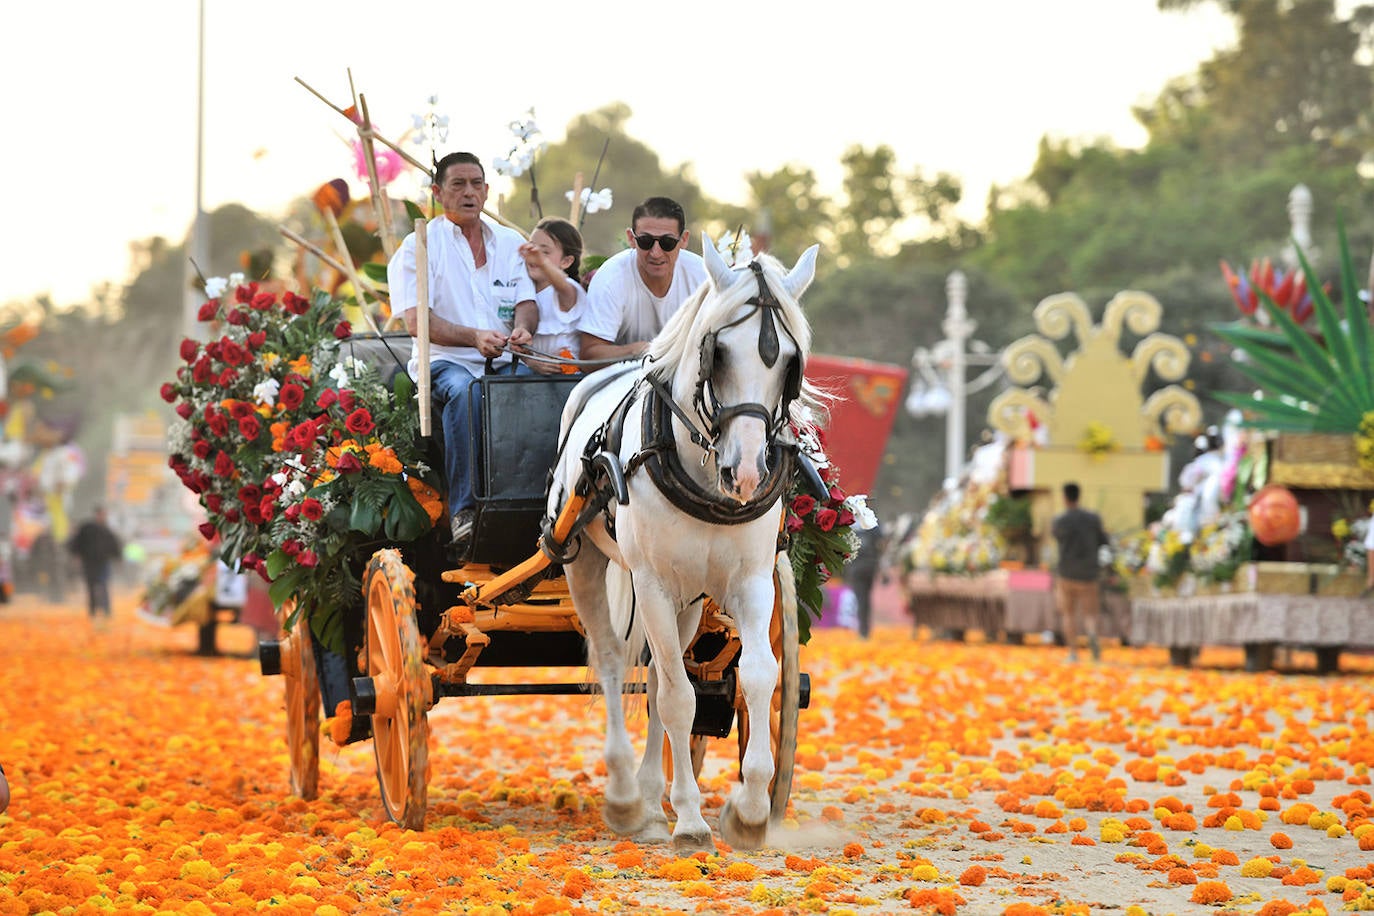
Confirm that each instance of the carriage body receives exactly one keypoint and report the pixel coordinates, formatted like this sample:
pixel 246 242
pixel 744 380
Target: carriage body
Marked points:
pixel 424 624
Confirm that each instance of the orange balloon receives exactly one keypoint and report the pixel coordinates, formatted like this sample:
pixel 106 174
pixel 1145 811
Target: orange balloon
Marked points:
pixel 1274 516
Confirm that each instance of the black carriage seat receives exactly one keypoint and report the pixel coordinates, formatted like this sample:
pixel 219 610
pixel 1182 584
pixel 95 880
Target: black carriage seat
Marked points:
pixel 389 351
pixel 520 420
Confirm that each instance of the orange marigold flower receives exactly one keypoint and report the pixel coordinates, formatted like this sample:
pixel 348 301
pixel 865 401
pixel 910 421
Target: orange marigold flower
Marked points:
pixel 939 900
pixel 1302 875
pixel 853 850
pixel 1225 857
pixel 341 724
pixel 1211 892
pixel 1181 875
pixel 1280 840
pixel 973 876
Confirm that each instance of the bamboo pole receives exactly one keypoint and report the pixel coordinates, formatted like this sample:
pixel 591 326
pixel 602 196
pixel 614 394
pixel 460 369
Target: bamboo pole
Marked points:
pixel 576 199
pixel 380 205
pixel 328 260
pixel 422 320
pixel 349 270
pixel 403 154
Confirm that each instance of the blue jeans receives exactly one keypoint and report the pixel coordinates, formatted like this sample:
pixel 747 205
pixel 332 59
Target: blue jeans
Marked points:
pixel 458 404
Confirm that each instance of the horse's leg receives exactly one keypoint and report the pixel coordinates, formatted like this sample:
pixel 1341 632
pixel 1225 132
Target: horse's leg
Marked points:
pixel 651 778
pixel 744 817
pixel 677 704
pixel 624 809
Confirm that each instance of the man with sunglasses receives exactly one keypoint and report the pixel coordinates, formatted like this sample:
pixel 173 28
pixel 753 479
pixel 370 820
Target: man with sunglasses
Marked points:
pixel 635 292
pixel 481 299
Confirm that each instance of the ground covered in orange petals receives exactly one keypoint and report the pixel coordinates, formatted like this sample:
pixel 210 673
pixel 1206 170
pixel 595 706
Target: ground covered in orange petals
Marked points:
pixel 931 777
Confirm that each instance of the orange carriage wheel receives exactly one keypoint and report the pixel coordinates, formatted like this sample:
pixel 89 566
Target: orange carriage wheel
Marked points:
pixel 297 653
pixel 395 654
pixel 783 716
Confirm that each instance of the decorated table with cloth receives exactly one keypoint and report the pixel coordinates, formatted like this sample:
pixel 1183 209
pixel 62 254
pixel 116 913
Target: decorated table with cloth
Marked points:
pixel 1271 605
pixel 1002 601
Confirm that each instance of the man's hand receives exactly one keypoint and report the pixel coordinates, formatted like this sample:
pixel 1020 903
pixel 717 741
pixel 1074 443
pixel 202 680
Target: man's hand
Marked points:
pixel 521 337
pixel 491 343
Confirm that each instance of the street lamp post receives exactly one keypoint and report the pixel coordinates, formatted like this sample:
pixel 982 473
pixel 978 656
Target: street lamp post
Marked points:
pixel 941 385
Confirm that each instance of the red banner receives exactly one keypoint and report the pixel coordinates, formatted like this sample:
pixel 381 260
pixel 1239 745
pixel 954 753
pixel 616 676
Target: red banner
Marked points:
pixel 867 396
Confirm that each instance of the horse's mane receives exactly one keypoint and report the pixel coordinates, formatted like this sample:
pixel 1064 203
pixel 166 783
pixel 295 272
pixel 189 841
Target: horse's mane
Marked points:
pixel 708 309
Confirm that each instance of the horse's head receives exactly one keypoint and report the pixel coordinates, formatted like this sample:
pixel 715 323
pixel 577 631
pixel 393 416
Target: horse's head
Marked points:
pixel 753 340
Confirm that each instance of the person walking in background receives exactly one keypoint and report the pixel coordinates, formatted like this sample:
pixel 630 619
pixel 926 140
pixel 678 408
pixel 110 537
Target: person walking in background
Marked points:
pixel 97 547
pixel 1080 537
pixel 862 570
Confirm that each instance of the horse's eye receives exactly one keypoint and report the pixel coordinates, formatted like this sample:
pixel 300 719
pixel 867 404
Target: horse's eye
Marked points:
pixel 719 359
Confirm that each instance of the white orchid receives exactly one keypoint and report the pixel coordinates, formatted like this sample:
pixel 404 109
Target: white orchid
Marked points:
pixel 593 201
pixel 737 251
pixel 265 392
pixel 864 517
pixel 525 128
pixel 215 286
pixel 339 374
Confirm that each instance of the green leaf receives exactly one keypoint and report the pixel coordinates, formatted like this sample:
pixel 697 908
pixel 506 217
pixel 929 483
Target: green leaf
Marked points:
pixel 1356 313
pixel 365 517
pixel 405 519
pixel 277 561
pixel 374 271
pixel 285 588
pixel 1286 375
pixel 413 211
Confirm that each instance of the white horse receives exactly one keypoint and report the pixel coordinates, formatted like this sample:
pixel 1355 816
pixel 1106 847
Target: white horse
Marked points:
pixel 700 434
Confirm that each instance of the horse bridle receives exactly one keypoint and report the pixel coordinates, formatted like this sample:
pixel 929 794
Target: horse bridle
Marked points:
pixel 715 415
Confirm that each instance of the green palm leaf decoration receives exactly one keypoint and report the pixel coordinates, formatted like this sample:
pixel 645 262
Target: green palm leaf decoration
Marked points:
pixel 1306 384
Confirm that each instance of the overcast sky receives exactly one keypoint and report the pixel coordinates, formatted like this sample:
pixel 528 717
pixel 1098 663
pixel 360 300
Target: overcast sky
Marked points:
pixel 102 96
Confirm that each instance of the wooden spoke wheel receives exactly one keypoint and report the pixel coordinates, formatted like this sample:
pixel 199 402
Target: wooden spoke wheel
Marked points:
pixel 395 654
pixel 302 702
pixel 783 716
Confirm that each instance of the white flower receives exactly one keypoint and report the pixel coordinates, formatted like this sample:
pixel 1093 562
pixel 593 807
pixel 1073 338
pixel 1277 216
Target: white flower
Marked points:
pixel 265 391
pixel 215 286
pixel 236 279
pixel 737 252
pixel 525 128
pixel 294 489
pixel 339 375
pixel 864 517
pixel 593 202
pixel 509 167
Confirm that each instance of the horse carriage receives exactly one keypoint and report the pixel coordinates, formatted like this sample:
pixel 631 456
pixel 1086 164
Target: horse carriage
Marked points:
pixel 630 520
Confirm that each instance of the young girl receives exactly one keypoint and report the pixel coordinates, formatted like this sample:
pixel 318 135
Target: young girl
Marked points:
pixel 553 255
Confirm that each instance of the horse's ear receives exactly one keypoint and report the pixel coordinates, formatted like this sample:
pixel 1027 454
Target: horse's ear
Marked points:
pixel 801 275
pixel 721 274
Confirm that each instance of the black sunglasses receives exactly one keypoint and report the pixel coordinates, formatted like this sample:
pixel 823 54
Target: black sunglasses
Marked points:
pixel 645 241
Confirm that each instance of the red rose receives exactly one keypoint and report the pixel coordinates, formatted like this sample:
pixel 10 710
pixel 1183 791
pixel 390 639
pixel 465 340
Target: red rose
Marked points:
pixel 342 330
pixel 257 339
pixel 249 426
pixel 245 293
pixel 846 517
pixel 232 353
pixel 189 349
pixel 201 449
pixel 803 504
pixel 292 547
pixel 349 463
pixel 826 518
pixel 262 301
pixel 208 310
pixel 359 422
pixel 237 317
pixel 267 508
pixel 207 531
pixel 224 465
pixel 295 304
pixel 231 515
pixel 327 399
pixel 794 524
pixel 218 423
pixel 836 495
pixel 240 409
pixel 250 494
pixel 307 558
pixel 213 503
pixel 292 512
pixel 228 377
pixel 291 395
pixel 201 372
pixel 346 400
pixel 168 392
pixel 184 410
pixel 311 509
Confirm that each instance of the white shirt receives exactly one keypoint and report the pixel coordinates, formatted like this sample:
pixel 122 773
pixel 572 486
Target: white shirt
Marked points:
pixel 459 291
pixel 558 330
pixel 621 309
pixel 1369 536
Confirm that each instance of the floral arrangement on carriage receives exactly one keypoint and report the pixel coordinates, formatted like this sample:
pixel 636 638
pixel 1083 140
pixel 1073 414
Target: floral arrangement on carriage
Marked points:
pixel 303 459
pixel 820 532
pixel 955 536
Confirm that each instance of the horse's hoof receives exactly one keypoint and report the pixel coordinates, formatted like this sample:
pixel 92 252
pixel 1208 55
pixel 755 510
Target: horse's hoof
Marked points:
pixel 685 844
pixel 653 832
pixel 624 818
pixel 736 832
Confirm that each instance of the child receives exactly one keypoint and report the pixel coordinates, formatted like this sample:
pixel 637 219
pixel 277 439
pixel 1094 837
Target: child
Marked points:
pixel 552 256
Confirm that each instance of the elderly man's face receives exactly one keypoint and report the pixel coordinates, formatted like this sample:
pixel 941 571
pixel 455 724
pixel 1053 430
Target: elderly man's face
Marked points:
pixel 463 193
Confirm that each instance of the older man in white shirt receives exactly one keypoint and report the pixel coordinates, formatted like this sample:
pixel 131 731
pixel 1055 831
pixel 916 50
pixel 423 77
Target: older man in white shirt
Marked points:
pixel 481 299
